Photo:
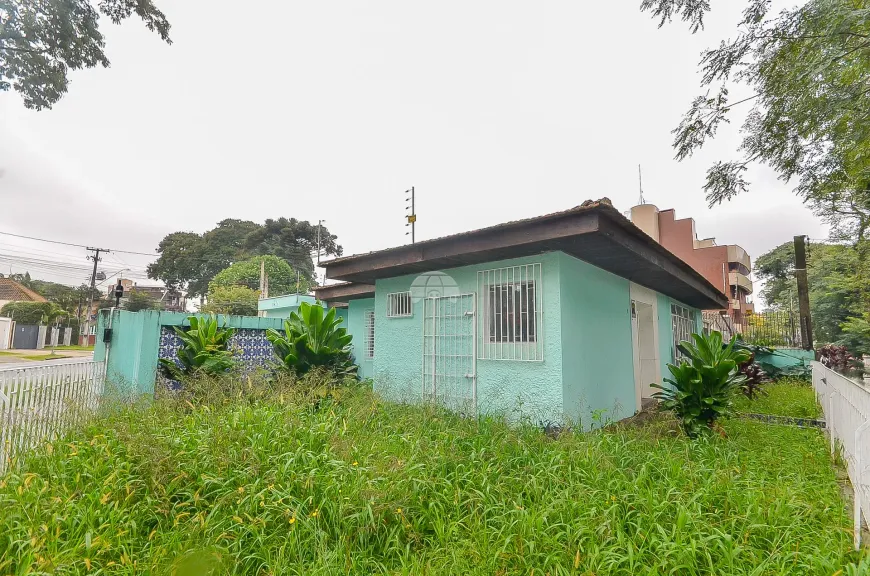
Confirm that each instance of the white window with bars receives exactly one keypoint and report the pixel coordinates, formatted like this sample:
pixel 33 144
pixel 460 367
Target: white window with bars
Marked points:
pixel 511 323
pixel 399 305
pixel 369 340
pixel 683 324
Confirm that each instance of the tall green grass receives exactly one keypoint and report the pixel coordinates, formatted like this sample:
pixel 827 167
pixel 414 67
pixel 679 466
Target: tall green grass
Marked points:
pixel 785 397
pixel 277 486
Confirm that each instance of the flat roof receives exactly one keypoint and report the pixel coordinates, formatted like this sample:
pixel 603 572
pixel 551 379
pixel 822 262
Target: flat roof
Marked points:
pixel 343 292
pixel 594 232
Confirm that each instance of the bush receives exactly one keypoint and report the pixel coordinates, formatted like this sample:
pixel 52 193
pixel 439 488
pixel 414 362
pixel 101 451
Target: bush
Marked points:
pixel 837 358
pixel 282 277
pixel 313 339
pixel 32 312
pixel 233 300
pixel 204 350
pixel 702 391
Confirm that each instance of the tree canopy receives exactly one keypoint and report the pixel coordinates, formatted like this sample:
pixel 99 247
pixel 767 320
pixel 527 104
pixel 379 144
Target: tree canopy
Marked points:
pixel 34 312
pixel 235 300
pixel 837 276
pixel 282 277
pixel 190 261
pixel 807 71
pixel 42 40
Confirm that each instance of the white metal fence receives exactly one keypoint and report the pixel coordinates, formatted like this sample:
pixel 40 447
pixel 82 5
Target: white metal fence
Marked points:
pixel 846 404
pixel 39 402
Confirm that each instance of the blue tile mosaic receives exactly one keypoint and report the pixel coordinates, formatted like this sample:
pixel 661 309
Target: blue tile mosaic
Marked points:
pixel 250 347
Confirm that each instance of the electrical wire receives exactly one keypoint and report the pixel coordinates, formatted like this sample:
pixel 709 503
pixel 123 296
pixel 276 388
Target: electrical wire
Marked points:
pixel 72 244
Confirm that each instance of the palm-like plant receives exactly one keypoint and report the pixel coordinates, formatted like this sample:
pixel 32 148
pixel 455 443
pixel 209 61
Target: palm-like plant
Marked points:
pixel 204 349
pixel 702 389
pixel 313 339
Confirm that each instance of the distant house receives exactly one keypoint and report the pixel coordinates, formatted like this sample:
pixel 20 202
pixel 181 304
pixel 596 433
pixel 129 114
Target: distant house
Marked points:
pixel 12 291
pixel 550 318
pixel 170 299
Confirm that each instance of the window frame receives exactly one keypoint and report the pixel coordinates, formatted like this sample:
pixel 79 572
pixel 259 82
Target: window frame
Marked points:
pixel 400 305
pixel 682 317
pixel 369 334
pixel 510 305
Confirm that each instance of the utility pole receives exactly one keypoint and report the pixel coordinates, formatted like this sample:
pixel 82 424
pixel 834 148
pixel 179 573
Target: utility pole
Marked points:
pixel 319 227
pixel 800 272
pixel 96 258
pixel 412 216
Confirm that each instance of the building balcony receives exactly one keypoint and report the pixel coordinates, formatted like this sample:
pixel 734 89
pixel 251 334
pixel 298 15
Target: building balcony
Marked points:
pixel 738 255
pixel 741 281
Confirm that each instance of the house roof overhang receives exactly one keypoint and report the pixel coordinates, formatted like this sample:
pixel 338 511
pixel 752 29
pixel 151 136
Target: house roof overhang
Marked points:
pixel 596 233
pixel 344 292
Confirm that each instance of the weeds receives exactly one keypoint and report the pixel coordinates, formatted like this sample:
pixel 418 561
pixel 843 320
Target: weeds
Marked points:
pixel 785 397
pixel 272 484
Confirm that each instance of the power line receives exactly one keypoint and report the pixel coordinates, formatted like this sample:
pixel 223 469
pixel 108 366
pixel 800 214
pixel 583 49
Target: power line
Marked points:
pixel 72 244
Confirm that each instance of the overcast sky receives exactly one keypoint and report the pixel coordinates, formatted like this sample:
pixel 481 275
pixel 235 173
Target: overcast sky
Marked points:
pixel 494 110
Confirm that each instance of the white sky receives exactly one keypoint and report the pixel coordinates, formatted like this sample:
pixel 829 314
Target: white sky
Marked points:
pixel 494 110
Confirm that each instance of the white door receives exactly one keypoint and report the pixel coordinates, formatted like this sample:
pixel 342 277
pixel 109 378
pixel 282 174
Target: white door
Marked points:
pixel 449 359
pixel 645 343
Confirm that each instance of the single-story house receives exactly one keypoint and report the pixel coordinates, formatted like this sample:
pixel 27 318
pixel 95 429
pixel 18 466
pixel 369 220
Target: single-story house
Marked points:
pixel 12 291
pixel 562 318
pixel 282 306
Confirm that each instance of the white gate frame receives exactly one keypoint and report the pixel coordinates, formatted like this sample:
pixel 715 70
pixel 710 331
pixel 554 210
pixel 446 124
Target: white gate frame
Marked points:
pixel 429 378
pixel 846 405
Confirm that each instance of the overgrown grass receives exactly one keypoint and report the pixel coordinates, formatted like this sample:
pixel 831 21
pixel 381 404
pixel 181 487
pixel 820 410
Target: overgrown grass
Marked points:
pixel 785 397
pixel 276 486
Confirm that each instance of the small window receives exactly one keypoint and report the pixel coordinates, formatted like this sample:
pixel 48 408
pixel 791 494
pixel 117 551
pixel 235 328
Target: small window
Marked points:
pixel 370 334
pixel 399 305
pixel 683 324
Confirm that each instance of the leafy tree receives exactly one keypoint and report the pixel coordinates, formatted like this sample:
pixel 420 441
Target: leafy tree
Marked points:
pixel 33 312
pixel 190 261
pixel 294 241
pixel 235 300
pixel 41 40
pixel 837 276
pixel 137 301
pixel 807 69
pixel 282 278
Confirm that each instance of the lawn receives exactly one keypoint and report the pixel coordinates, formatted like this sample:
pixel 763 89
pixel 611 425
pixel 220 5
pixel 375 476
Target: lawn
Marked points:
pixel 361 487
pixel 787 397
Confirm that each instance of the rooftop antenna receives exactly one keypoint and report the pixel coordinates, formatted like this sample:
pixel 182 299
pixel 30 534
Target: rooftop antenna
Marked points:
pixel 640 185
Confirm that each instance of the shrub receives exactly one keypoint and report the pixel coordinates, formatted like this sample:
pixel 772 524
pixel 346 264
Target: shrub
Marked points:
pixel 313 339
pixel 204 350
pixel 702 390
pixel 837 358
pixel 235 300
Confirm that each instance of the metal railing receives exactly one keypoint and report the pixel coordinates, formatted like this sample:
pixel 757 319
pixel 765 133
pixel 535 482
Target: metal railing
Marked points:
pixel 846 405
pixel 37 403
pixel 774 328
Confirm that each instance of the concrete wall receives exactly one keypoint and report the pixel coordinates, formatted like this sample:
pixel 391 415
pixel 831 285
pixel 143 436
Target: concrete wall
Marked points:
pixel 527 389
pixel 597 355
pixel 356 328
pixel 135 343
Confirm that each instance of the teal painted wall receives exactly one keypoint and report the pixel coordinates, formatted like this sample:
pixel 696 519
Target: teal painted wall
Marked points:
pixel 282 306
pixel 516 389
pixel 342 313
pixel 787 357
pixel 133 353
pixel 597 355
pixel 356 328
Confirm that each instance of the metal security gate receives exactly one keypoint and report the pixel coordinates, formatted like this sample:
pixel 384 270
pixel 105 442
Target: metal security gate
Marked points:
pixel 449 355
